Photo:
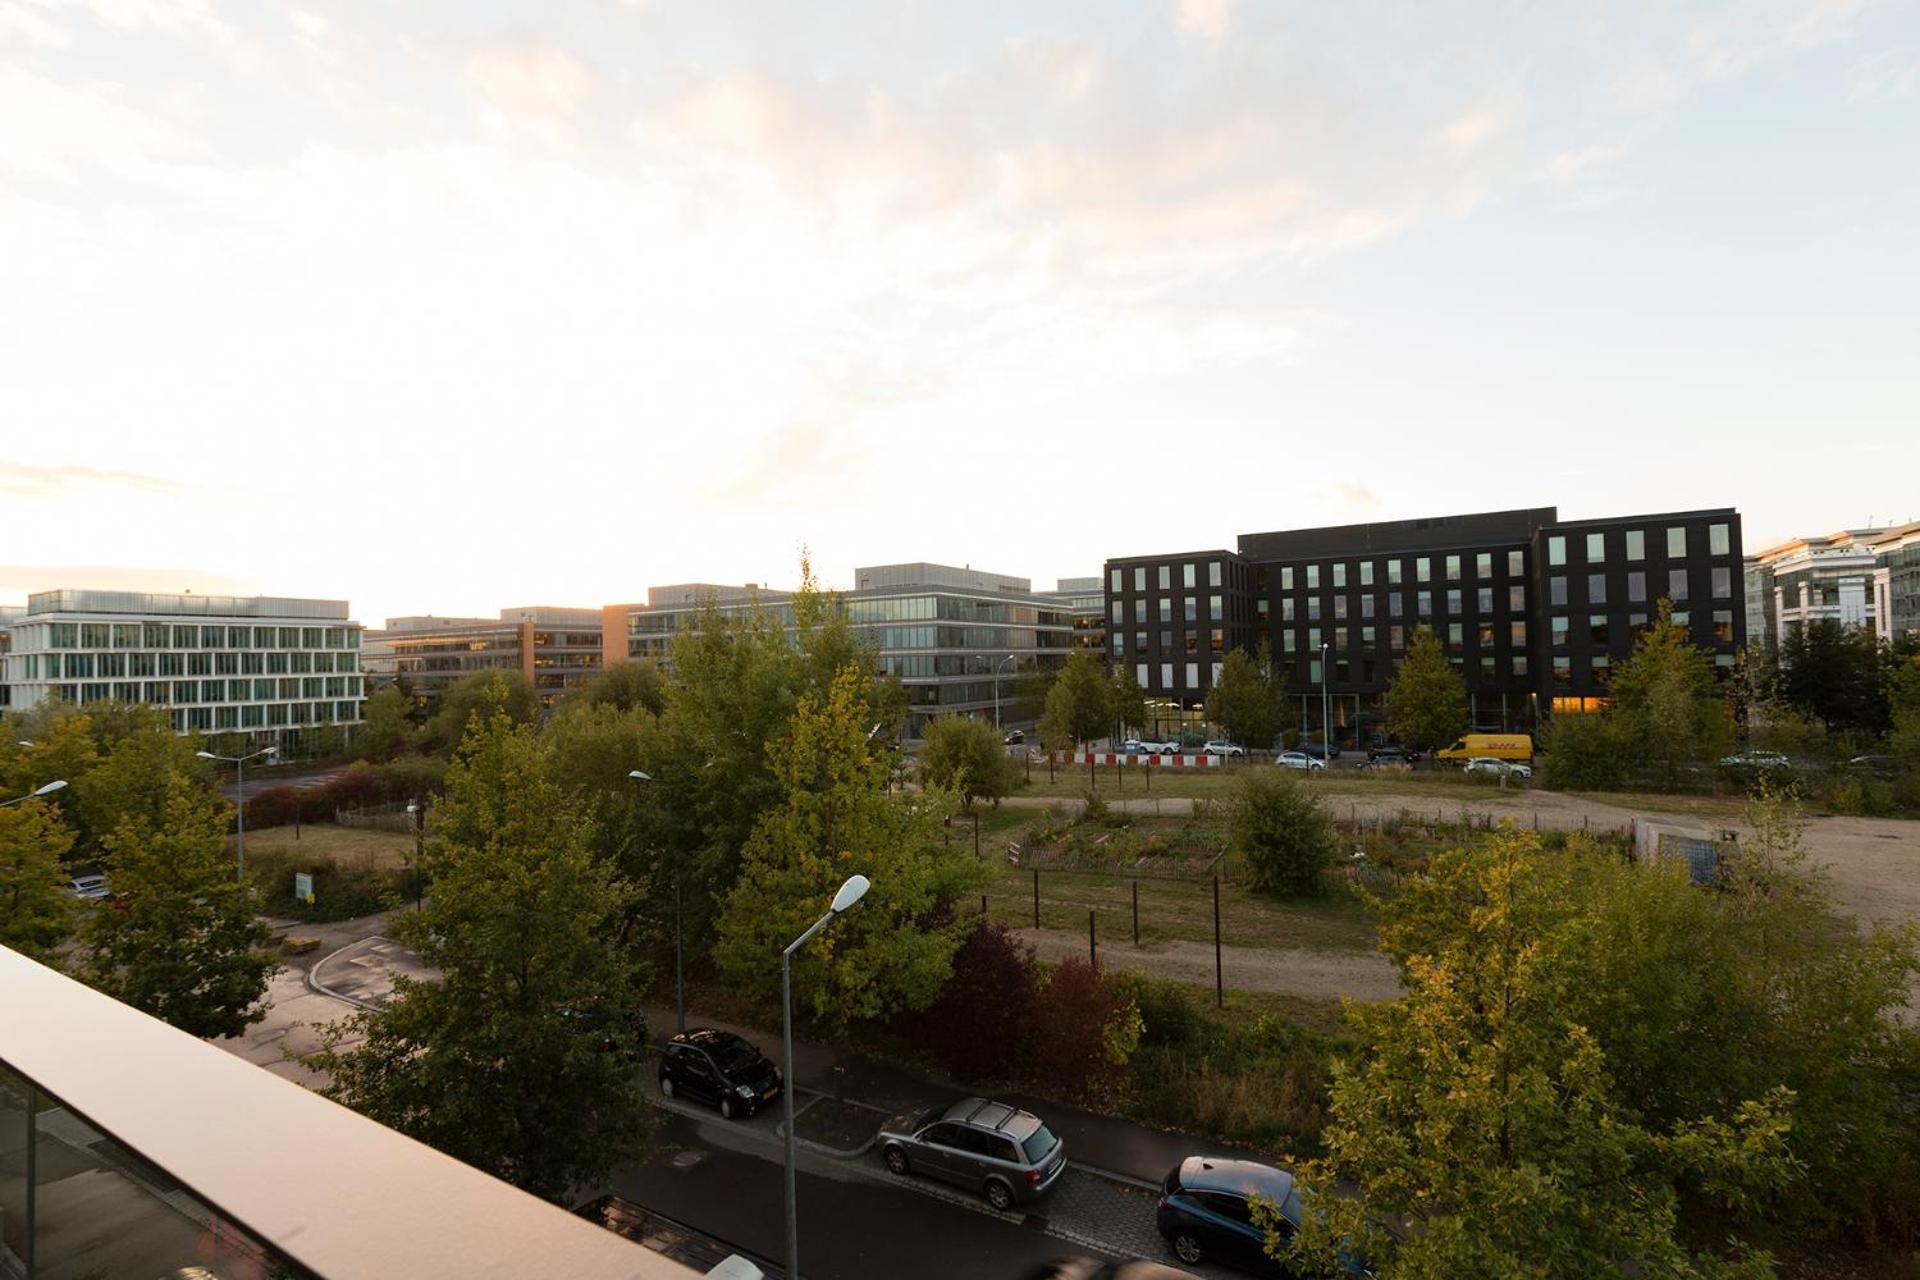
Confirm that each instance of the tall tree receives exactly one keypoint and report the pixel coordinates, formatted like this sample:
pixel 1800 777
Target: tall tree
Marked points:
pixel 53 742
pixel 36 911
pixel 895 951
pixel 1483 1119
pixel 1837 674
pixel 1427 701
pixel 966 757
pixel 1247 701
pixel 1667 699
pixel 520 1057
pixel 1904 698
pixel 386 727
pixel 1127 702
pixel 182 940
pixel 136 775
pixel 625 686
pixel 482 694
pixel 1080 704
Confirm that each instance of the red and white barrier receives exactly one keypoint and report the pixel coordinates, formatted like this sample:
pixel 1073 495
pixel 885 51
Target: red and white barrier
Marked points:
pixel 1148 761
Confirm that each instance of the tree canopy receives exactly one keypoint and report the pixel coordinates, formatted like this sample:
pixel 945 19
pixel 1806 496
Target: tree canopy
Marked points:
pixel 1247 701
pixel 1427 701
pixel 966 757
pixel 1080 705
pixel 36 911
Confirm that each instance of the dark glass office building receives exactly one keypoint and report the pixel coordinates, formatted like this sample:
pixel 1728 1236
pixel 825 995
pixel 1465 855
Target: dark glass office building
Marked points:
pixel 1534 611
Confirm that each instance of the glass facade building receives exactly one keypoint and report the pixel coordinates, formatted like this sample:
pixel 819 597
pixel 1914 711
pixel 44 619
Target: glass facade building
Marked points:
pixel 555 649
pixel 1858 578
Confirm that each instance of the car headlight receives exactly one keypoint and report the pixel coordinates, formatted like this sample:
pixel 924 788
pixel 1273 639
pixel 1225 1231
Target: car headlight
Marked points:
pixel 743 1090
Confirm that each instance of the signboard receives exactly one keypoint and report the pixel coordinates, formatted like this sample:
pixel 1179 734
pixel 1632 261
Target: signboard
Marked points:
pixel 303 886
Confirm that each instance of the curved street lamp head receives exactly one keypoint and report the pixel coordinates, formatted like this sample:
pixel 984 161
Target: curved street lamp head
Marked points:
pixel 851 892
pixel 638 776
pixel 51 787
pixel 206 755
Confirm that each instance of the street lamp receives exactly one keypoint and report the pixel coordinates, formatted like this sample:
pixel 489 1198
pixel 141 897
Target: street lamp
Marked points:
pixel 851 892
pixel 239 764
pixel 996 687
pixel 417 811
pixel 679 969
pixel 1326 707
pixel 47 790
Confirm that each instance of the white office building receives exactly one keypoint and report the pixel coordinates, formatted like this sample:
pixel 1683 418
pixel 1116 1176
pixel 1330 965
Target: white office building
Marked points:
pixel 1858 578
pixel 281 671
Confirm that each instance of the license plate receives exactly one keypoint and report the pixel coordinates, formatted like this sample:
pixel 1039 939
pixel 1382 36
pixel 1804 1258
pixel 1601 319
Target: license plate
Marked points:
pixel 769 1093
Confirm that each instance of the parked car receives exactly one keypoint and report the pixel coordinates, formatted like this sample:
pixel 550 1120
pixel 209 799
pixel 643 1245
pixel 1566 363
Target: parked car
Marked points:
pixel 1499 768
pixel 1095 1269
pixel 1206 1214
pixel 1004 1153
pixel 1322 751
pixel 1221 747
pixel 719 1067
pixel 1298 760
pixel 89 888
pixel 1161 748
pixel 1392 752
pixel 1886 768
pixel 1014 737
pixel 1749 763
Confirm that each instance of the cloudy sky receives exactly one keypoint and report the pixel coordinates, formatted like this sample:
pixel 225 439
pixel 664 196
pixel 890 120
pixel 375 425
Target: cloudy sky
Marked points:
pixel 446 305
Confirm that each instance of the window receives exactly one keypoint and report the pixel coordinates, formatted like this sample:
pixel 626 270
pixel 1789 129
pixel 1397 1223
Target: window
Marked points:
pixel 1557 589
pixel 1563 670
pixel 1193 675
pixel 1393 573
pixel 1637 587
pixel 1313 608
pixel 1596 588
pixel 1368 637
pixel 1213 573
pixel 1396 638
pixel 1598 665
pixel 1166 675
pixel 1722 582
pixel 1719 542
pixel 1340 606
pixel 1287 640
pixel 1597 628
pixel 1118 613
pixel 1313 576
pixel 1517 633
pixel 1218 640
pixel 1676 584
pixel 1187 578
pixel 1140 674
pixel 1213 609
pixel 1453 602
pixel 1516 599
pixel 1425 604
pixel 1723 626
pixel 1516 564
pixel 1166 643
pixel 1139 578
pixel 1520 664
pixel 1636 544
pixel 1453 568
pixel 1286 609
pixel 1556 551
pixel 1483 565
pixel 1166 610
pixel 1286 577
pixel 1677 541
pixel 94 635
pixel 1190 609
pixel 1117 581
pixel 1559 630
pixel 1340 575
pixel 1366 606
pixel 1396 605
pixel 1166 577
pixel 1486 666
pixel 1596 548
pixel 1423 569
pixel 1366 573
pixel 1456 635
pixel 1191 641
pixel 1139 643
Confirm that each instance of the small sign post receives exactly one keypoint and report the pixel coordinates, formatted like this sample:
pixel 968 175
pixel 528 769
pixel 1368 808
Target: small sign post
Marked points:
pixel 303 886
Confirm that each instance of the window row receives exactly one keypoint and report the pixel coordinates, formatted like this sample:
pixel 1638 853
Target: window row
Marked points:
pixel 165 692
pixel 164 635
pixel 113 666
pixel 1632 543
pixel 1363 572
pixel 1190 575
pixel 1126 612
pixel 1677 586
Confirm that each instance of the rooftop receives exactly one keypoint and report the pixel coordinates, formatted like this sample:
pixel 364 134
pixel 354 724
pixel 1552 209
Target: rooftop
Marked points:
pixel 69 600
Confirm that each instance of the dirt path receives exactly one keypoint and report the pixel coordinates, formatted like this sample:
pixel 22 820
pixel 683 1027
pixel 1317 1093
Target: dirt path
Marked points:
pixel 1321 975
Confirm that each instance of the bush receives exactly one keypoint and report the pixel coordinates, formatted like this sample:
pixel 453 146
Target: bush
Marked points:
pixel 1083 1030
pixel 340 891
pixel 977 1025
pixel 1586 753
pixel 966 757
pixel 1169 1014
pixel 1263 1084
pixel 411 777
pixel 1282 831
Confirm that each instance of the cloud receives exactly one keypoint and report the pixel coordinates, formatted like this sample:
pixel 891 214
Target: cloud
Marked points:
pixel 1571 166
pixel 531 81
pixel 1466 133
pixel 24 480
pixel 1344 494
pixel 1206 20
pixel 1886 75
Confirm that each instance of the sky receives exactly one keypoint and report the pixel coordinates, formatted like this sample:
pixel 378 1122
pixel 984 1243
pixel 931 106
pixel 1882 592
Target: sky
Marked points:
pixel 444 306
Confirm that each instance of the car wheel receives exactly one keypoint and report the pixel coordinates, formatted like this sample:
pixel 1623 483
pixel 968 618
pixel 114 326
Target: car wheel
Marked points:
pixel 999 1194
pixel 896 1162
pixel 666 1086
pixel 1187 1248
pixel 726 1107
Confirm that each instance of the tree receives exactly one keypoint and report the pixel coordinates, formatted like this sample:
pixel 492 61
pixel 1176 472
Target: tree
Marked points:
pixel 520 1058
pixel 1080 704
pixel 1246 700
pixel 62 750
pixel 894 952
pixel 386 729
pixel 1427 701
pixel 966 757
pixel 1667 699
pixel 136 774
pixel 36 911
pixel 625 686
pixel 1485 1120
pixel 1127 706
pixel 1905 700
pixel 1281 830
pixel 482 694
pixel 1837 674
pixel 182 940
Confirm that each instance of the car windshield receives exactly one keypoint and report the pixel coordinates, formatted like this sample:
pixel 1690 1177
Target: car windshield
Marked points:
pixel 1039 1144
pixel 736 1055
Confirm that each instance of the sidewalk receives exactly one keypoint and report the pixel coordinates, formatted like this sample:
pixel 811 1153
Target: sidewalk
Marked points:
pixel 1116 1148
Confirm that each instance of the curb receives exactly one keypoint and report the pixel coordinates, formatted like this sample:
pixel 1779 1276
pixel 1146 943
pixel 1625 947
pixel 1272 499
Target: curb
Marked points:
pixel 839 1153
pixel 1114 1176
pixel 321 988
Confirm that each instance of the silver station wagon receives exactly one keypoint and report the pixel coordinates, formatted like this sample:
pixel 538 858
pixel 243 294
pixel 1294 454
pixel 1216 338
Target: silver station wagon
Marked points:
pixel 1005 1154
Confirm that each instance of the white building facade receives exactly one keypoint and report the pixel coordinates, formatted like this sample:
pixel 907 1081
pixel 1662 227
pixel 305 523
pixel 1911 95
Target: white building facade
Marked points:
pixel 278 670
pixel 1857 578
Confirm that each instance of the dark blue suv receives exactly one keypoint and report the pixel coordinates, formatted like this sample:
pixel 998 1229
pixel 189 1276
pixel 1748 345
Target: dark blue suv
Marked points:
pixel 1206 1214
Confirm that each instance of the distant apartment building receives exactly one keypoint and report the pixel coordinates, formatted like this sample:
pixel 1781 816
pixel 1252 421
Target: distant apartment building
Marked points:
pixel 555 649
pixel 9 614
pixel 1533 611
pixel 956 638
pixel 1086 604
pixel 1857 578
pixel 275 669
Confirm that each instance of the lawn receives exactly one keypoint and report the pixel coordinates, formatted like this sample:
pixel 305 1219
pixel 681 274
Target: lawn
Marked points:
pixel 343 846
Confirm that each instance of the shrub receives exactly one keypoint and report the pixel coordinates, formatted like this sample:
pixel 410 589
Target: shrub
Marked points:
pixel 977 1025
pixel 359 785
pixel 966 757
pixel 1169 1014
pixel 1096 810
pixel 411 777
pixel 1282 831
pixel 1586 753
pixel 1083 1030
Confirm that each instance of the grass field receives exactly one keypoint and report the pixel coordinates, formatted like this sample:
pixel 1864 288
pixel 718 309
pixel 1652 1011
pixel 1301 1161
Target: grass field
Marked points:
pixel 355 847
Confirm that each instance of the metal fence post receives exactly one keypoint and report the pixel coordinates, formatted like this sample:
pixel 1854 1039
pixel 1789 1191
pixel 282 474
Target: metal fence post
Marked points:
pixel 1136 913
pixel 1219 974
pixel 1093 947
pixel 1036 897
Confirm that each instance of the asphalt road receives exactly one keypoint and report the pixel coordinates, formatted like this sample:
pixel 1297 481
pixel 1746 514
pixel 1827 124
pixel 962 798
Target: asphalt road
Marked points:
pixel 261 777
pixel 706 1174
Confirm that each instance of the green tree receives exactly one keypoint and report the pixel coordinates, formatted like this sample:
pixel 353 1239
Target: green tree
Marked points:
pixel 1079 705
pixel 520 1058
pixel 182 941
pixel 483 694
pixel 36 911
pixel 62 749
pixel 386 728
pixel 895 951
pixel 1281 830
pixel 966 757
pixel 1127 706
pixel 1667 700
pixel 1486 1120
pixel 1247 701
pixel 1837 674
pixel 136 774
pixel 1427 701
pixel 1905 699
pixel 625 686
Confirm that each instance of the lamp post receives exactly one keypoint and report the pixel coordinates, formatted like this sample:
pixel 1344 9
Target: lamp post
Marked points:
pixel 1326 706
pixel 679 969
pixel 851 892
pixel 996 687
pixel 47 790
pixel 417 810
pixel 239 764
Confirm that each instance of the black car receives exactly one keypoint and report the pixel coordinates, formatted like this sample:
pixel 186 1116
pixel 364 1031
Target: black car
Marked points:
pixel 1014 737
pixel 719 1067
pixel 1391 753
pixel 1206 1214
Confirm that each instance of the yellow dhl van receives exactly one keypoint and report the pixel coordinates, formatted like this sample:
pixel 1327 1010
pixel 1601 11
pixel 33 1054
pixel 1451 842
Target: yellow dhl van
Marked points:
pixel 1517 747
